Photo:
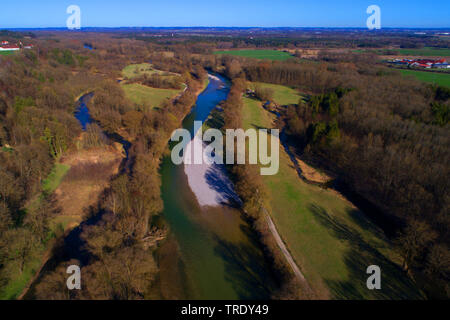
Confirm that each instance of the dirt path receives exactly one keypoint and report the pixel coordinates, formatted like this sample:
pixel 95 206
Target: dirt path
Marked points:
pixel 283 248
pixel 295 269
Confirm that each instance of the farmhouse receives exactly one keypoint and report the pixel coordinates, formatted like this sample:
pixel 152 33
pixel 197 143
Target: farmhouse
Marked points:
pixel 9 47
pixel 422 63
pixel 6 46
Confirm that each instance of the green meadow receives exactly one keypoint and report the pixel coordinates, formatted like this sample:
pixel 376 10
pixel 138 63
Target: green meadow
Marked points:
pixel 135 70
pixel 426 52
pixel 148 96
pixel 258 54
pixel 332 241
pixel 423 52
pixel 282 95
pixel 6 53
pixel 145 96
pixel 442 79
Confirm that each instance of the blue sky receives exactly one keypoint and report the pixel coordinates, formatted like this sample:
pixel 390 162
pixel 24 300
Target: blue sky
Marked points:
pixel 227 13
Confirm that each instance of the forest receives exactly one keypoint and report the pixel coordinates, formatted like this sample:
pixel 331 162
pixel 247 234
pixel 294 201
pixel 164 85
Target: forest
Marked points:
pixel 385 137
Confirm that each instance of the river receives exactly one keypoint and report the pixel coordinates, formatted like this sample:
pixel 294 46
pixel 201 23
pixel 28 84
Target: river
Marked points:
pixel 212 252
pixel 220 255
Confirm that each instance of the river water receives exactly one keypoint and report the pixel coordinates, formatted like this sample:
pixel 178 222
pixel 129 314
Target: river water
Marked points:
pixel 219 254
pixel 212 253
pixel 82 113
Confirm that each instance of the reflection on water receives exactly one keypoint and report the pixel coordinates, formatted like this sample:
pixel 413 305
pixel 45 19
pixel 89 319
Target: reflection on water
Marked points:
pixel 82 112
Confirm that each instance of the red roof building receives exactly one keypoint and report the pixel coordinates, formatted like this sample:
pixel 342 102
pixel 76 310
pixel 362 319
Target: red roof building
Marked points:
pixel 9 47
pixel 424 63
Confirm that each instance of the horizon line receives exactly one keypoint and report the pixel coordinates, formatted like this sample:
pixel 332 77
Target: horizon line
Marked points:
pixel 221 27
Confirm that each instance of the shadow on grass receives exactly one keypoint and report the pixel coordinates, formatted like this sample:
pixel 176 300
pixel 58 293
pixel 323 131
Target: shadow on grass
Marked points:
pixel 215 120
pixel 395 284
pixel 247 268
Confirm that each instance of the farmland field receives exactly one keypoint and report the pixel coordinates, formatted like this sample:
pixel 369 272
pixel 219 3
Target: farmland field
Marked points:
pixel 330 239
pixel 258 54
pixel 423 52
pixel 427 52
pixel 442 79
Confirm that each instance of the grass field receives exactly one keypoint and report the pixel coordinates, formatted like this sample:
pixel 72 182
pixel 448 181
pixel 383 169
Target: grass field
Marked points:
pixel 426 52
pixel 258 54
pixel 282 95
pixel 134 70
pixel 330 239
pixel 6 53
pixel 148 96
pixel 442 79
pixel 144 96
pixel 6 149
